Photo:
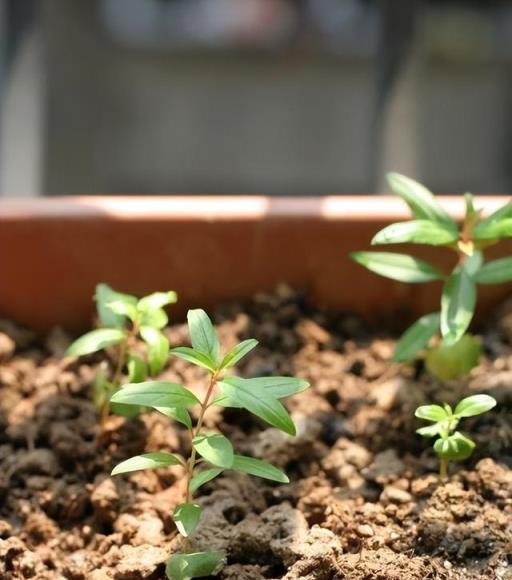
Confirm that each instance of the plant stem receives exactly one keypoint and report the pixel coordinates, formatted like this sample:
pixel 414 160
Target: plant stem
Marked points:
pixel 121 361
pixel 443 469
pixel 191 463
pixel 121 356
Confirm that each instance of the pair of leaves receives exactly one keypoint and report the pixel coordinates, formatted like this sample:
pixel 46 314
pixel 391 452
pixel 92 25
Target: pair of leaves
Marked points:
pixel 452 445
pixel 218 451
pixel 420 200
pixel 194 565
pixel 432 224
pixel 205 351
pixel 114 308
pixel 455 447
pixel 215 453
pixel 468 407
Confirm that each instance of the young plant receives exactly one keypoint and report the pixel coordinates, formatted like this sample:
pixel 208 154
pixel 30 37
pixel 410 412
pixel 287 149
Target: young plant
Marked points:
pixel 124 318
pixel 450 351
pixel 452 445
pixel 212 451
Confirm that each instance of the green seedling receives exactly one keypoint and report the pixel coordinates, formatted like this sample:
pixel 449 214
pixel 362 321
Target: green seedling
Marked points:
pixel 211 453
pixel 124 319
pixel 452 445
pixel 450 351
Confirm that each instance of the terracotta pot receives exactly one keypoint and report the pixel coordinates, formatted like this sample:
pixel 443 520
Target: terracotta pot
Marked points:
pixel 53 252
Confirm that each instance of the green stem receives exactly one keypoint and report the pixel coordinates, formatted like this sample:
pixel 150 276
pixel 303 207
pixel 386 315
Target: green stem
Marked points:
pixel 121 361
pixel 191 463
pixel 121 358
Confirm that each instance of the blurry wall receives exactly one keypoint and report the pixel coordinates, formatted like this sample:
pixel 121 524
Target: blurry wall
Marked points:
pixel 129 119
pixel 128 97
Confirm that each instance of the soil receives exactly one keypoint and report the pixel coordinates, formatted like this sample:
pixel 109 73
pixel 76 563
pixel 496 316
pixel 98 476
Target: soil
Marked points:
pixel 364 502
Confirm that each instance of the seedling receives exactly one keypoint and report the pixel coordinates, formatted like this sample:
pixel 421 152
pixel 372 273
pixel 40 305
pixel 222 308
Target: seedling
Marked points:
pixel 214 451
pixel 124 318
pixel 450 351
pixel 452 445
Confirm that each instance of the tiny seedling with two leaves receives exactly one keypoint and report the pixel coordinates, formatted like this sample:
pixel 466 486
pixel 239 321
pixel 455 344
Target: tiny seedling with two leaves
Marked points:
pixel 124 318
pixel 452 445
pixel 212 452
pixel 450 351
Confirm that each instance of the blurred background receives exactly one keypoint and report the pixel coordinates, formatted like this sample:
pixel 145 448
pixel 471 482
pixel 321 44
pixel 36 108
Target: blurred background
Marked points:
pixel 278 97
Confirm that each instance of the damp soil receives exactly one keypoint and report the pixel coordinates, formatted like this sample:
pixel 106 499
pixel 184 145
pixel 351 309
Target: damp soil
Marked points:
pixel 364 502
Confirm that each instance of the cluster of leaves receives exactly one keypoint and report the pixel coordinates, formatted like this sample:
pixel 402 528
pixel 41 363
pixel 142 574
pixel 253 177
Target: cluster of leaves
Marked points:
pixel 452 445
pixel 123 318
pixel 212 451
pixel 433 226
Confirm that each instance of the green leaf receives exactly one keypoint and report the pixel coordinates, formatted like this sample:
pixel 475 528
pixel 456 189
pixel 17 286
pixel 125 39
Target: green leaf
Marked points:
pixel 417 337
pixel 155 394
pixel 156 301
pixel 456 447
pixel 123 308
pixel 146 461
pixel 473 263
pixel 215 448
pixel 434 413
pixel 137 371
pixel 422 202
pixel 401 267
pixel 158 348
pixel 448 362
pixel 429 430
pixel 177 413
pixel 474 405
pixel 155 318
pixel 203 335
pixel 105 294
pixel 186 517
pixel 417 232
pixel 204 477
pixel 258 401
pixel 94 341
pixel 277 387
pixel 499 215
pixel 493 230
pixel 238 352
pixel 495 272
pixel 194 357
pixel 457 305
pixel 195 565
pixel 259 468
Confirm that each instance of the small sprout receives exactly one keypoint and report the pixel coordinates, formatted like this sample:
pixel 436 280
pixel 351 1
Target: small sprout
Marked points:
pixel 442 331
pixel 212 452
pixel 124 318
pixel 451 445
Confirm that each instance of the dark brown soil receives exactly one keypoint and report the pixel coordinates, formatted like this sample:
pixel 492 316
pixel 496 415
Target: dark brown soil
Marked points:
pixel 364 500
